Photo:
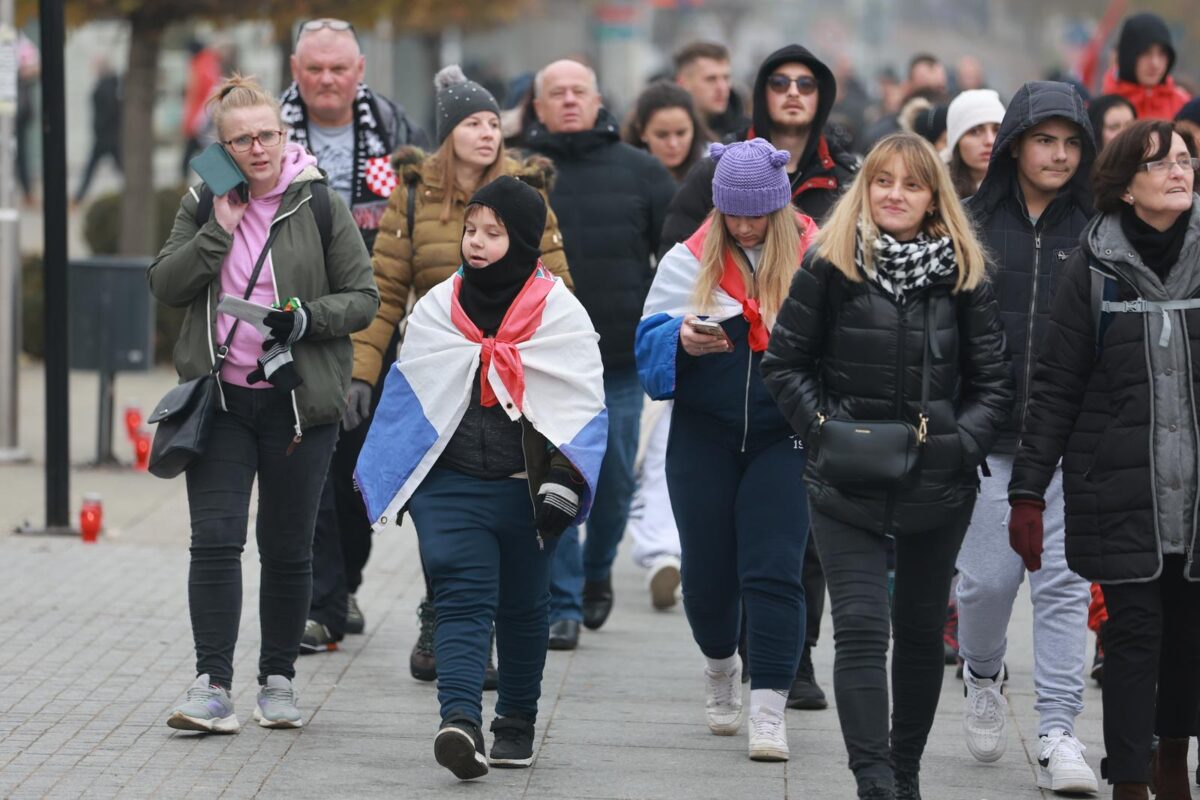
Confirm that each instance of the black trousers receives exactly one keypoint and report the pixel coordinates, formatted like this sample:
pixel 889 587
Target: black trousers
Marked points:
pixel 1151 668
pixel 856 570
pixel 100 149
pixel 813 577
pixel 251 440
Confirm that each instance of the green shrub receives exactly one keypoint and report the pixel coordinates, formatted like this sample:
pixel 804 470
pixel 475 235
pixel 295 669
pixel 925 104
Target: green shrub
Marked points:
pixel 31 306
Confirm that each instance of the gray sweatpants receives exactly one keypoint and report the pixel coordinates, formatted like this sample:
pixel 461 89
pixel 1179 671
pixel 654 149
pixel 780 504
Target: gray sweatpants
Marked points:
pixel 990 574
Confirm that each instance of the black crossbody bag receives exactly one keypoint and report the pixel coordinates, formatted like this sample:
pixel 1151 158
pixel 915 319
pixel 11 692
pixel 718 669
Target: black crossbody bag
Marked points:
pixel 875 454
pixel 184 415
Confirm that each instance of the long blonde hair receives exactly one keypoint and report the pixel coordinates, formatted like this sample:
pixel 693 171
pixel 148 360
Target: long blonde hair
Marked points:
pixel 445 158
pixel 240 91
pixel 771 278
pixel 837 242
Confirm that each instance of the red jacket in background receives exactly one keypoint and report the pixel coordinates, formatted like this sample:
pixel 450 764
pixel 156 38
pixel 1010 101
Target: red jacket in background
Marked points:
pixel 1151 102
pixel 204 73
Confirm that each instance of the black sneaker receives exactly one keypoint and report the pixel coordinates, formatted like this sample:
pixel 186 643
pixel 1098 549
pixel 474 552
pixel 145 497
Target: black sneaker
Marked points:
pixel 805 692
pixel 513 743
pixel 316 639
pixel 421 662
pixel 458 746
pixel 908 786
pixel 597 602
pixel 355 621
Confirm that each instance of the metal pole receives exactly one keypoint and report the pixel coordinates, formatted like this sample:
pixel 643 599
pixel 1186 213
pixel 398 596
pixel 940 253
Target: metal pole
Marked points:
pixel 54 179
pixel 10 258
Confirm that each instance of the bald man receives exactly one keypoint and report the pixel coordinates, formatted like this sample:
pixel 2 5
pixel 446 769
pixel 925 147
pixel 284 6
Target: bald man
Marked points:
pixel 352 131
pixel 611 200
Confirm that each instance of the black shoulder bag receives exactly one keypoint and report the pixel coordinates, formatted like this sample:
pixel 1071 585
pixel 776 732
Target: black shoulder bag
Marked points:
pixel 875 454
pixel 184 415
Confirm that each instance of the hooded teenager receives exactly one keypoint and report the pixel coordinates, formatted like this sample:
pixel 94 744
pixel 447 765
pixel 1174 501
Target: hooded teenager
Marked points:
pixel 490 431
pixel 1145 58
pixel 1030 210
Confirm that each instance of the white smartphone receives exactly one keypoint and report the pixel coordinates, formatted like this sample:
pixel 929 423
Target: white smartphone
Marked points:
pixel 707 328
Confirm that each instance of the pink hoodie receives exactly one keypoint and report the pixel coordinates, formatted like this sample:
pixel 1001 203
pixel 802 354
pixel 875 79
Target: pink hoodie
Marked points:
pixel 248 240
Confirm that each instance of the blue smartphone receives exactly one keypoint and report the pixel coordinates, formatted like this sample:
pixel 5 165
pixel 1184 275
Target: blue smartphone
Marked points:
pixel 220 172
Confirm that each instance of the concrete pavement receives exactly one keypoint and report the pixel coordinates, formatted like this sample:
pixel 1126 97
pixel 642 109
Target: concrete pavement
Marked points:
pixel 97 647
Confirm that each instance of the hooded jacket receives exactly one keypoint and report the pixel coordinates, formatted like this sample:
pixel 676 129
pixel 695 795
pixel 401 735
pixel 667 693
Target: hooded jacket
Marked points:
pixel 730 122
pixel 824 170
pixel 413 262
pixel 1138 34
pixel 611 199
pixel 1029 257
pixel 1115 399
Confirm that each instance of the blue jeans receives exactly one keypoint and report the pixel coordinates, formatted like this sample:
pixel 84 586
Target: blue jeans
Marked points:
pixel 610 511
pixel 479 546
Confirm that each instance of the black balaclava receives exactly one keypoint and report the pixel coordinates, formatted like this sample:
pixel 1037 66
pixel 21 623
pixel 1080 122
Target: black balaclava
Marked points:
pixel 487 292
pixel 1139 32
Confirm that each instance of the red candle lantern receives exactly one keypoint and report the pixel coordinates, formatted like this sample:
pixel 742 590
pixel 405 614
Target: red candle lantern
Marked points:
pixel 91 518
pixel 133 420
pixel 141 451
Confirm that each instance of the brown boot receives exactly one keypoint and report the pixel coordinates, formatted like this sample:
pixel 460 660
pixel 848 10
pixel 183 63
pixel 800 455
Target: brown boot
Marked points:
pixel 1169 770
pixel 1131 791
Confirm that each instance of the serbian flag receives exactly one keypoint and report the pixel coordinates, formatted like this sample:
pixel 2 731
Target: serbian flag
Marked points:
pixel 543 364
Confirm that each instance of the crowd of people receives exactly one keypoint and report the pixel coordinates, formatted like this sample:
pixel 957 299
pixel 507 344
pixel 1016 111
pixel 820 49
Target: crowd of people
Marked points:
pixel 907 358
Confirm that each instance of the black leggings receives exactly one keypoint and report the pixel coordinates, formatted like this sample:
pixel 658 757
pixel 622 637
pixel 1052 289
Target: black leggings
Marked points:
pixel 1151 664
pixel 251 439
pixel 856 571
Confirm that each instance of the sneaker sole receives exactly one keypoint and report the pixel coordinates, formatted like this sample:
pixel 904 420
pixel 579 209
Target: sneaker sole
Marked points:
pixel 727 729
pixel 808 704
pixel 455 751
pixel 313 649
pixel 985 756
pixel 182 722
pixel 1080 784
pixel 279 724
pixel 510 763
pixel 769 754
pixel 663 586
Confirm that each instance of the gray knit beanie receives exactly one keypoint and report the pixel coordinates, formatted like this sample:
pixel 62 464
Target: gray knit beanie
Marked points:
pixel 457 99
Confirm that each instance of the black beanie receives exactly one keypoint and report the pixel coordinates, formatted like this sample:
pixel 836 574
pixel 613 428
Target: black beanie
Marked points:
pixel 487 292
pixel 457 99
pixel 1139 32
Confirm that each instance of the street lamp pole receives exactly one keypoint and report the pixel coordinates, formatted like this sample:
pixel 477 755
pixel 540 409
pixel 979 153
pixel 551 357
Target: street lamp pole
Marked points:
pixel 10 259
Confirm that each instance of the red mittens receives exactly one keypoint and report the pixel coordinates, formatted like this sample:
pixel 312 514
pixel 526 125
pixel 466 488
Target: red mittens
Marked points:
pixel 1025 531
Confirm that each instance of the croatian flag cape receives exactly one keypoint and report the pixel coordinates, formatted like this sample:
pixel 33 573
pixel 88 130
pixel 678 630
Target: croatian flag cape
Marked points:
pixel 543 364
pixel 656 343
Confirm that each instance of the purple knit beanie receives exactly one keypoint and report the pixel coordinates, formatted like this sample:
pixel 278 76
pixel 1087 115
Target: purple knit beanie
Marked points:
pixel 751 178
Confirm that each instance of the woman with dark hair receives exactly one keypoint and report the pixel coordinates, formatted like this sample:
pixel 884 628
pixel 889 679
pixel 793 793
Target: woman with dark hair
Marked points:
pixel 1113 398
pixel 972 124
pixel 1110 114
pixel 664 122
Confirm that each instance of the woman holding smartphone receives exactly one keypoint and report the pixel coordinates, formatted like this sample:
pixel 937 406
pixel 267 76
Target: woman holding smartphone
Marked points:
pixel 733 466
pixel 892 320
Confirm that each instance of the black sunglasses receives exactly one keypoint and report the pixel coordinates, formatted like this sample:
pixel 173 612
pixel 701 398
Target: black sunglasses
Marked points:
pixel 780 83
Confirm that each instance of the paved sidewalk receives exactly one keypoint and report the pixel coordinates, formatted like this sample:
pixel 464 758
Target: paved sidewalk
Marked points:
pixel 97 647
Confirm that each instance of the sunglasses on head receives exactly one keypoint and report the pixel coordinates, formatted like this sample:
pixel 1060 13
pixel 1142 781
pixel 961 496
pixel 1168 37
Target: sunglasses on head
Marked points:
pixel 780 83
pixel 314 25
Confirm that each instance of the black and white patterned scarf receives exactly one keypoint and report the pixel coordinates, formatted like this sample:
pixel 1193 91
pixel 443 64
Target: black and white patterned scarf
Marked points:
pixel 372 148
pixel 901 268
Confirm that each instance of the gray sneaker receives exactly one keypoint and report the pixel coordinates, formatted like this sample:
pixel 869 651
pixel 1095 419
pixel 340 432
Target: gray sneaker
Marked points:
pixel 316 639
pixel 277 702
pixel 208 709
pixel 355 622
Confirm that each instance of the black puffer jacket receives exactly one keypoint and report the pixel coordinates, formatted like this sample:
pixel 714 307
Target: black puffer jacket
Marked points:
pixel 824 171
pixel 1030 257
pixel 1119 410
pixel 610 199
pixel 849 351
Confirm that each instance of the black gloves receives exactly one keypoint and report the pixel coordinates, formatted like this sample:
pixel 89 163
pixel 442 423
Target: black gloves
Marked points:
pixel 275 365
pixel 287 327
pixel 358 405
pixel 558 501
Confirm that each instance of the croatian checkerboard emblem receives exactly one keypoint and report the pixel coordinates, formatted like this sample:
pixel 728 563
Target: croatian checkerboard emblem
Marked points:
pixel 381 179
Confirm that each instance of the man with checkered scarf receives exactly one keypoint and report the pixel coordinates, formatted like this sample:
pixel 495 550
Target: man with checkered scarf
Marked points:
pixel 352 131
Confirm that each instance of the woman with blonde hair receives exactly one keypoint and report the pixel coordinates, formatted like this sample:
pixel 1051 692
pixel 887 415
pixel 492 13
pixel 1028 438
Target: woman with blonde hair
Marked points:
pixel 888 359
pixel 733 466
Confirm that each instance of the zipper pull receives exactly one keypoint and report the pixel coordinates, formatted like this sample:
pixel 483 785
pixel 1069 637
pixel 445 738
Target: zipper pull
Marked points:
pixel 541 544
pixel 294 444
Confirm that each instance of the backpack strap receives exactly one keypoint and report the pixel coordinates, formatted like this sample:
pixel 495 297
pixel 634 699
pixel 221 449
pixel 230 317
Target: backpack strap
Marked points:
pixel 204 206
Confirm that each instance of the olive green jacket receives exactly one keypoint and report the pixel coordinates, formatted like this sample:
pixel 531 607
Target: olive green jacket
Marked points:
pixel 338 291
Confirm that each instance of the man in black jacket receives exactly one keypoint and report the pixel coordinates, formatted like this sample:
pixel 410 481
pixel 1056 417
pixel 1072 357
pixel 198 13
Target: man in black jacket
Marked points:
pixel 793 95
pixel 1031 208
pixel 610 199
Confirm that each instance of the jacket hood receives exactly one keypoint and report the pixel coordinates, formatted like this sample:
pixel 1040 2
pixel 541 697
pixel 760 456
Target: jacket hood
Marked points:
pixel 826 94
pixel 605 131
pixel 1139 32
pixel 1033 104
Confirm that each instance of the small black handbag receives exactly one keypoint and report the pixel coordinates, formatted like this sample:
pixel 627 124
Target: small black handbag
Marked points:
pixel 875 454
pixel 184 415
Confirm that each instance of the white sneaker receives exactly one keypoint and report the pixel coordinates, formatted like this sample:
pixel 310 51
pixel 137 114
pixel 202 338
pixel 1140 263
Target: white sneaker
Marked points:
pixel 768 735
pixel 663 581
pixel 985 718
pixel 723 701
pixel 1061 766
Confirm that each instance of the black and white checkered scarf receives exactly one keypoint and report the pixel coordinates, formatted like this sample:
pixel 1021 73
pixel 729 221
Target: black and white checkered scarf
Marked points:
pixel 901 268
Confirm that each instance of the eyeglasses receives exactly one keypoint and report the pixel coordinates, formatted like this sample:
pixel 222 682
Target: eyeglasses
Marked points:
pixel 1164 166
pixel 780 83
pixel 314 25
pixel 242 144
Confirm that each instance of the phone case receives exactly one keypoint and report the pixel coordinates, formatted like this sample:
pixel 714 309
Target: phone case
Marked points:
pixel 219 171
